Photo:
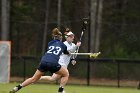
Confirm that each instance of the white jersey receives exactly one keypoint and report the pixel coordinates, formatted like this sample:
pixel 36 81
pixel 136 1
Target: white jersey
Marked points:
pixel 65 59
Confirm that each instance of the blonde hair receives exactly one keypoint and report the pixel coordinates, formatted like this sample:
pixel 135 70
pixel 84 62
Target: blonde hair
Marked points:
pixel 56 32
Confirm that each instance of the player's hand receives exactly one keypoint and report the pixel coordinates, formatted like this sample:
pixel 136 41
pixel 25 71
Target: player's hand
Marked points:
pixel 73 62
pixel 78 43
pixel 69 52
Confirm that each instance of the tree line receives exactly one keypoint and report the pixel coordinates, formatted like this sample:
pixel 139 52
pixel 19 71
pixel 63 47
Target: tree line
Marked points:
pixel 113 27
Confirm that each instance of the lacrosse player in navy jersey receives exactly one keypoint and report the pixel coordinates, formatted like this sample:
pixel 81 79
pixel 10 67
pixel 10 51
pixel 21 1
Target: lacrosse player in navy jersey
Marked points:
pixel 49 62
pixel 65 59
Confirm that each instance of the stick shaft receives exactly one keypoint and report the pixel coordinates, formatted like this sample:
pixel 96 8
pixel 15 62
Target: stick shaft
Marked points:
pixel 81 53
pixel 83 29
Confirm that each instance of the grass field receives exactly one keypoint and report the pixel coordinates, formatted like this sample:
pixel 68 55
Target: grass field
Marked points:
pixel 47 88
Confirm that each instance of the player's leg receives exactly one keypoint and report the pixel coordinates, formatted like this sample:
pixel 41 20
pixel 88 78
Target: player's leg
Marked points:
pixel 31 80
pixel 65 75
pixel 51 78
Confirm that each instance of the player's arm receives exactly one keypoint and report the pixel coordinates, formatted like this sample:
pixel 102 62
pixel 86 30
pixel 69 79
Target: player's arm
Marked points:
pixel 66 51
pixel 73 61
pixel 75 46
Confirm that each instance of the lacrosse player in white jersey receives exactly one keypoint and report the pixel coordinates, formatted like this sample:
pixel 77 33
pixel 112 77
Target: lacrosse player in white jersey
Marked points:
pixel 65 59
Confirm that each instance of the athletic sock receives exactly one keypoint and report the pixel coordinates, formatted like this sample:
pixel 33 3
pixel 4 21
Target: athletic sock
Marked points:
pixel 18 87
pixel 60 89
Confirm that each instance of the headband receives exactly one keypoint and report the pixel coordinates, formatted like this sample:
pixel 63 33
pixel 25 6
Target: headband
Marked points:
pixel 69 33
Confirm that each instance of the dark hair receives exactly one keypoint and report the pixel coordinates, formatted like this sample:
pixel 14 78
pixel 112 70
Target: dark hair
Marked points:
pixel 67 31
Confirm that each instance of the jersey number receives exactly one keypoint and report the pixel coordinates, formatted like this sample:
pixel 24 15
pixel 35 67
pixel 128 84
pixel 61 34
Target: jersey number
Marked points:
pixel 54 50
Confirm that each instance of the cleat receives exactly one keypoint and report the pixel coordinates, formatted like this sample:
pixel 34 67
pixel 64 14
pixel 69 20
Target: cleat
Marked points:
pixel 62 92
pixel 14 90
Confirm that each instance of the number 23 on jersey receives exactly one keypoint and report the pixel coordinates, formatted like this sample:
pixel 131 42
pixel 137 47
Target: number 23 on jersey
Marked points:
pixel 54 50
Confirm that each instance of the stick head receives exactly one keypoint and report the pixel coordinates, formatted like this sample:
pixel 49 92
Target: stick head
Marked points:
pixel 94 55
pixel 85 22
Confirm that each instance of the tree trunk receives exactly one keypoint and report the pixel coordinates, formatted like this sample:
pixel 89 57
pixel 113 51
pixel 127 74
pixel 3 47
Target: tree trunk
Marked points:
pixel 45 27
pixel 95 30
pixel 59 14
pixel 124 2
pixel 5 17
pixel 92 36
pixel 99 25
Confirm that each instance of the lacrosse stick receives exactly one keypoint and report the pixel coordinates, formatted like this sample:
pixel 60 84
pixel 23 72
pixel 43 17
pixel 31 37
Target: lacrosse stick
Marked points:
pixel 92 55
pixel 85 22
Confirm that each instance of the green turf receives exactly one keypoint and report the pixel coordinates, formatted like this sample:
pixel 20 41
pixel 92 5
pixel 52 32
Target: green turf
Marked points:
pixel 47 88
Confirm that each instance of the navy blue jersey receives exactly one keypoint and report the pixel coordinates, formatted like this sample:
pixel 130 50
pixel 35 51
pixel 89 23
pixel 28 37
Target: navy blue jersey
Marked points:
pixel 55 49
